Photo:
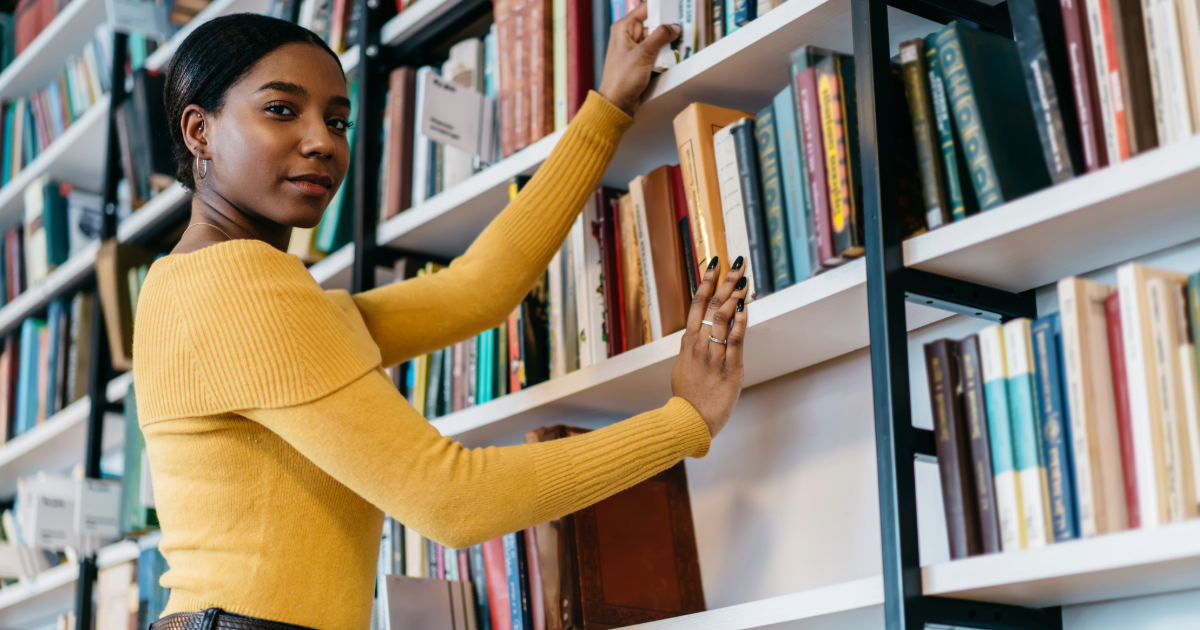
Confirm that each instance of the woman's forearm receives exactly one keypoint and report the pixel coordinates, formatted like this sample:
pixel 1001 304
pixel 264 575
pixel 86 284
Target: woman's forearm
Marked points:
pixel 480 288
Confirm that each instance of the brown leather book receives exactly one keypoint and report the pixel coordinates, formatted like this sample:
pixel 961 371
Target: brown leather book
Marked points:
pixel 953 448
pixel 9 371
pixel 398 146
pixel 113 262
pixel 1134 60
pixel 667 258
pixel 633 287
pixel 505 15
pixel 541 70
pixel 628 559
pixel 975 416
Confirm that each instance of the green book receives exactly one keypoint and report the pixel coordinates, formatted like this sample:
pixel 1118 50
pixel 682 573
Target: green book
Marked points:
pixel 434 384
pixel 925 133
pixel 986 91
pixel 336 228
pixel 135 516
pixel 772 197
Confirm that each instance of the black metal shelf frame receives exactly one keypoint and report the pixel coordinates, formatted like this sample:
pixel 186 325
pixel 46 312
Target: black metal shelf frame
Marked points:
pixel 889 285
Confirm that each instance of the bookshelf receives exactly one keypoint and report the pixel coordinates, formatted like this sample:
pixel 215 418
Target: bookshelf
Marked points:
pixel 162 55
pixel 46 54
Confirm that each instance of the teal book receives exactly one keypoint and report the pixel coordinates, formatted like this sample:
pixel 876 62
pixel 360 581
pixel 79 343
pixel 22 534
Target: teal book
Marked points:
pixel 336 228
pixel 8 144
pixel 54 217
pixel 985 87
pixel 54 322
pixel 1000 436
pixel 1055 425
pixel 54 102
pixel 960 205
pixel 797 202
pixel 1027 445
pixel 485 365
pixel 29 134
pixel 780 257
pixel 27 375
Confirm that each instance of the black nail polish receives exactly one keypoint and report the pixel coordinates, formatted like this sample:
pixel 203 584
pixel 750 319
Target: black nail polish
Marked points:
pixel 713 263
pixel 737 264
pixel 741 284
pixel 741 304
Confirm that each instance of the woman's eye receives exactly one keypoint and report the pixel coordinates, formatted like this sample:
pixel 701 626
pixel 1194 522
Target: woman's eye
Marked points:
pixel 341 124
pixel 281 110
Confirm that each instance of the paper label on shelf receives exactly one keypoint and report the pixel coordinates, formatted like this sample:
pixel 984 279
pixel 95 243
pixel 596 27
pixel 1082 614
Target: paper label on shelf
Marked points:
pixel 52 522
pixel 99 508
pixel 458 116
pixel 139 16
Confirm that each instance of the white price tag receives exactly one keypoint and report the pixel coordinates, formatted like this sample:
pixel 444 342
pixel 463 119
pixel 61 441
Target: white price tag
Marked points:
pixel 99 510
pixel 458 116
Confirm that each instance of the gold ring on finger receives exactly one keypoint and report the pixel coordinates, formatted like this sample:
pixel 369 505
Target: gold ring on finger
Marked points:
pixel 720 341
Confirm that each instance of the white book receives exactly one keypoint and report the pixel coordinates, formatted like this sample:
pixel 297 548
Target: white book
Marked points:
pixel 36 263
pixel 582 297
pixel 1095 437
pixel 1152 24
pixel 1177 105
pixel 558 346
pixel 570 307
pixel 415 564
pixel 994 371
pixel 1105 80
pixel 1031 471
pixel 593 270
pixel 464 67
pixel 1189 26
pixel 421 165
pixel 1166 310
pixel 642 229
pixel 429 604
pixel 558 11
pixel 729 182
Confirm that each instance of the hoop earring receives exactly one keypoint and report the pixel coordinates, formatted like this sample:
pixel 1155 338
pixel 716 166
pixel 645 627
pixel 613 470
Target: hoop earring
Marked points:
pixel 202 167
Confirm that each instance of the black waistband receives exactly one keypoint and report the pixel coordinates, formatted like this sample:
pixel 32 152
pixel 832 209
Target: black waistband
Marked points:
pixel 217 619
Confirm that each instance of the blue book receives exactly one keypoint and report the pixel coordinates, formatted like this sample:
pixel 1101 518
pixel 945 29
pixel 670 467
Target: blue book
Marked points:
pixel 618 9
pixel 517 572
pixel 54 321
pixel 27 376
pixel 491 63
pixel 739 13
pixel 1027 444
pixel 54 100
pixel 797 206
pixel 483 615
pixel 1054 425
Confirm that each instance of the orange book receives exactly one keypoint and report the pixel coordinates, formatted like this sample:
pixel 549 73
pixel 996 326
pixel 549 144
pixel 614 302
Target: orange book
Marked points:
pixel 694 129
pixel 633 288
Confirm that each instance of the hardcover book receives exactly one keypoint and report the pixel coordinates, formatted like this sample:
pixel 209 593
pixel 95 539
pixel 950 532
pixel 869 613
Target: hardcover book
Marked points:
pixel 1000 438
pixel 1054 427
pixel 757 244
pixel 773 214
pixel 1027 445
pixel 953 448
pixel 975 412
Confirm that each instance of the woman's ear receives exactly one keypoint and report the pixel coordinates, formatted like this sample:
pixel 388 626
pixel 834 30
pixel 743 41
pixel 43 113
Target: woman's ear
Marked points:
pixel 195 125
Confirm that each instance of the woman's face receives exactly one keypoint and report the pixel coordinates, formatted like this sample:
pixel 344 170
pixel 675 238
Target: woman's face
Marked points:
pixel 278 146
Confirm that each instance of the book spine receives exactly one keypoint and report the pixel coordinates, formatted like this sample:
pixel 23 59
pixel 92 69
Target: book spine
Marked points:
pixel 1031 473
pixel 1114 106
pixel 601 25
pixel 718 19
pixel 559 42
pixel 744 12
pixel 953 451
pixel 582 295
pixel 642 234
pixel 814 160
pixel 981 457
pixel 837 159
pixel 753 208
pixel 514 351
pixel 1162 299
pixel 533 584
pixel 580 55
pixel 1116 344
pixel 1000 438
pixel 1071 312
pixel 1054 426
pixel 1138 363
pixel 797 202
pixel 1087 99
pixel 479 582
pixel 929 156
pixel 683 224
pixel 497 584
pixel 1039 80
pixel 963 102
pixel 737 240
pixel 516 571
pixel 570 314
pixel 541 56
pixel 1158 49
pixel 772 200
pixel 611 274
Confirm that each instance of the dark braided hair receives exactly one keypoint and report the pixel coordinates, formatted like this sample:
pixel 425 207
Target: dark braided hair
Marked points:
pixel 214 57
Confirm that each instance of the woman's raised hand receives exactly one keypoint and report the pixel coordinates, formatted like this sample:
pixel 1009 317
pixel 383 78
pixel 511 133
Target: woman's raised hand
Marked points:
pixel 708 374
pixel 630 58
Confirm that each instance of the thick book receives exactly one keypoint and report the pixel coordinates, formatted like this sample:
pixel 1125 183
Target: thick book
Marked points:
pixel 1038 29
pixel 974 408
pixel 910 200
pixel 113 262
pixel 959 193
pixel 694 129
pixel 813 145
pixel 757 255
pixel 839 128
pixel 1055 427
pixel 925 133
pixel 512 63
pixel 417 602
pixel 581 70
pixel 797 200
pixel 1027 445
pixel 535 334
pixel 733 200
pixel 982 72
pixel 953 448
pixel 398 145
pixel 635 304
pixel 1095 438
pixel 1086 99
pixel 607 201
pixel 774 216
pixel 1120 379
pixel 683 224
pixel 663 260
pixel 1000 438
pixel 479 581
pixel 497 584
pixel 1118 26
pixel 538 30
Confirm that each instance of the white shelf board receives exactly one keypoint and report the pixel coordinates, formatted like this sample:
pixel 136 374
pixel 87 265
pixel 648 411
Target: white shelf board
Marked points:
pixel 39 295
pixel 153 213
pixel 333 271
pixel 39 601
pixel 1115 566
pixel 56 444
pixel 162 56
pixel 856 605
pixel 1143 205
pixel 803 325
pixel 45 57
pixel 350 60
pixel 412 18
pixel 77 157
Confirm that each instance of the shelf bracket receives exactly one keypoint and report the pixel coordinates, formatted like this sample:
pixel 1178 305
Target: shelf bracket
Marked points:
pixel 943 612
pixel 967 298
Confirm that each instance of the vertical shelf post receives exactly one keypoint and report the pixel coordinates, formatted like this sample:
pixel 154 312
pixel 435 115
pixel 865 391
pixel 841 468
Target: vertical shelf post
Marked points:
pixel 368 150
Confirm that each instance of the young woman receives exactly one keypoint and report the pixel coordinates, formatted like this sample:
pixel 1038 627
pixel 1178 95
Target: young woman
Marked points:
pixel 276 440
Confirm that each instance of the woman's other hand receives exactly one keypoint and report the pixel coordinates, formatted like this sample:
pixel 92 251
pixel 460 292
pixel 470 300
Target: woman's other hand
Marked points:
pixel 709 374
pixel 630 58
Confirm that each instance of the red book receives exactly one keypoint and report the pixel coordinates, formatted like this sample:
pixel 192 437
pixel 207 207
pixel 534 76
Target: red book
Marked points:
pixel 513 134
pixel 537 594
pixel 497 584
pixel 514 351
pixel 458 385
pixel 540 42
pixel 1116 353
pixel 679 194
pixel 607 200
pixel 814 157
pixel 580 71
pixel 464 565
pixel 619 279
pixel 1087 99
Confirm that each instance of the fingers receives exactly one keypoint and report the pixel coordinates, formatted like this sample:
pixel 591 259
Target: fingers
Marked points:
pixel 632 24
pixel 703 295
pixel 722 317
pixel 639 14
pixel 737 337
pixel 721 295
pixel 659 38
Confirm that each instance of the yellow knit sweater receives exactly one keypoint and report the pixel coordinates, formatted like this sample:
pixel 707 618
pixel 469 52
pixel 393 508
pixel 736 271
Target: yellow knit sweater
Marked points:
pixel 277 442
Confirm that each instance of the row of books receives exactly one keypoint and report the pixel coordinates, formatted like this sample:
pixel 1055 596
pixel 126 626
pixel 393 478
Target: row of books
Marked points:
pixel 44 365
pixel 138 512
pixel 59 222
pixel 28 20
pixel 32 123
pixel 1085 421
pixel 128 595
pixel 548 577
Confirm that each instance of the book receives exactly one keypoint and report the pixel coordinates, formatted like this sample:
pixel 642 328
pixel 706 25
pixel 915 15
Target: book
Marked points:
pixel 1000 438
pixel 497 584
pixel 535 334
pixel 113 262
pixel 694 129
pixel 28 406
pixel 774 217
pixel 684 225
pixel 1027 445
pixel 975 413
pixel 839 131
pixel 635 299
pixel 797 200
pixel 1083 83
pixel 733 202
pixel 1047 74
pixel 953 448
pixel 602 20
pixel 422 145
pixel 398 144
pixel 925 133
pixel 559 17
pixel 663 260
pixel 605 230
pixel 1095 439
pixel 814 159
pixel 582 73
pixel 464 68
pixel 1054 427
pixel 516 571
pixel 1129 465
pixel 416 602
pixel 1129 109
pixel 583 299
pixel 909 199
pixel 982 73
pixel 10 365
pixel 756 246
pixel 55 356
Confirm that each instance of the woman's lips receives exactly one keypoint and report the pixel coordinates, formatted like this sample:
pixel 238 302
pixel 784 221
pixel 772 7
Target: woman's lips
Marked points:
pixel 310 188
